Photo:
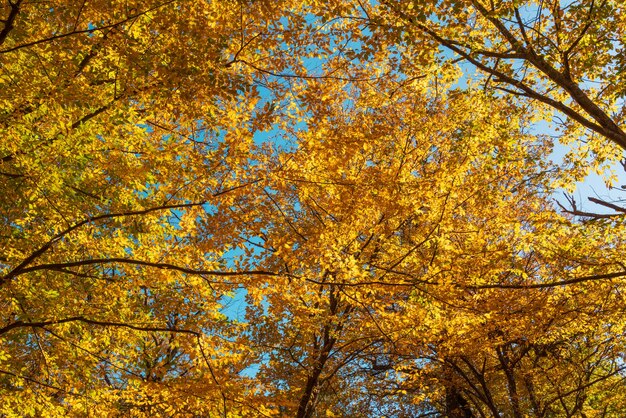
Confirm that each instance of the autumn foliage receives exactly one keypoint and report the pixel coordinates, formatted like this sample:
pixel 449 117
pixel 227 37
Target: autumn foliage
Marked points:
pixel 296 208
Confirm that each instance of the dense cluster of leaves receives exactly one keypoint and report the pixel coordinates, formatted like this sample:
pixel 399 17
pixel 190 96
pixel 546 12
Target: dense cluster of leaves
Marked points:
pixel 303 208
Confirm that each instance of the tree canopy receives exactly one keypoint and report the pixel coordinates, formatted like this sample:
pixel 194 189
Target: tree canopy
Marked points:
pixel 310 209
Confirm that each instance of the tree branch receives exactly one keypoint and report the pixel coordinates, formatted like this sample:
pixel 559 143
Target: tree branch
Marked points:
pixel 41 324
pixel 45 247
pixel 583 279
pixel 9 22
pixel 83 31
pixel 130 261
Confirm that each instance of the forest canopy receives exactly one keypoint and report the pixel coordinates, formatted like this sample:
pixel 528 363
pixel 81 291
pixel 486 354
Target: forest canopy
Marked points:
pixel 302 208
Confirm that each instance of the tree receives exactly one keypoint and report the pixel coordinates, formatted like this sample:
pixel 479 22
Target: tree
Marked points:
pixel 113 119
pixel 393 233
pixel 563 57
pixel 562 54
pixel 398 261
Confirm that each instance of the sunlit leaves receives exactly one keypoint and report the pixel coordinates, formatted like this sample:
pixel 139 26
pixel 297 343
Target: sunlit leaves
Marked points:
pixel 257 208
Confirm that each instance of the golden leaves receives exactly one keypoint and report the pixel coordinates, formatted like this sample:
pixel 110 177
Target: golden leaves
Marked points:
pixel 386 218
